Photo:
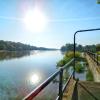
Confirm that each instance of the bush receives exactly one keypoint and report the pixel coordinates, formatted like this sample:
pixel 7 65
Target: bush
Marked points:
pixel 61 63
pixel 79 68
pixel 70 54
pixel 67 57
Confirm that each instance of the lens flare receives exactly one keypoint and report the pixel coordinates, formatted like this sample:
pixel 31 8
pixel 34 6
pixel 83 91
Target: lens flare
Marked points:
pixel 35 20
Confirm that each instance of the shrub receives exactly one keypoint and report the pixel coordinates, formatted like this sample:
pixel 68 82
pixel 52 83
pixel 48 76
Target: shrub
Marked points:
pixel 79 68
pixel 67 57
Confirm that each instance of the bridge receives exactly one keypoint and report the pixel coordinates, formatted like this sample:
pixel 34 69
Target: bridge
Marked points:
pixel 74 89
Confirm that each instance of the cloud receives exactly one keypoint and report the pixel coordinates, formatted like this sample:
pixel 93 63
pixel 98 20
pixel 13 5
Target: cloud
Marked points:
pixel 54 20
pixel 10 18
pixel 74 19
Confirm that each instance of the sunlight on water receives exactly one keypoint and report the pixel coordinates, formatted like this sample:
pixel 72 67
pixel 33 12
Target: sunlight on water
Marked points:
pixel 22 72
pixel 34 79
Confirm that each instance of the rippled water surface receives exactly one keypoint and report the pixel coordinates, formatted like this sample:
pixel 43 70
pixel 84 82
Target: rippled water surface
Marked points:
pixel 21 72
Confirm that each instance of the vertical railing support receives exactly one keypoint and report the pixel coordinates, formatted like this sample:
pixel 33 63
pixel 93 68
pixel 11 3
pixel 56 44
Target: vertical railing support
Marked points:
pixel 75 92
pixel 94 56
pixel 97 59
pixel 74 53
pixel 60 84
pixel 97 29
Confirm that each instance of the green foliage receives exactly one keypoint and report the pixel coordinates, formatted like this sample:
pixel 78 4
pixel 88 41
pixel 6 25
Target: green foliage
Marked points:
pixel 99 58
pixel 61 63
pixel 98 1
pixel 80 48
pixel 70 47
pixel 13 46
pixel 67 47
pixel 99 55
pixel 90 48
pixel 89 76
pixel 98 52
pixel 67 57
pixel 70 54
pixel 98 47
pixel 79 68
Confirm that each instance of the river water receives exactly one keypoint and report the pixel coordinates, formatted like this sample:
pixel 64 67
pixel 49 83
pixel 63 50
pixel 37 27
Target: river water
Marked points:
pixel 21 72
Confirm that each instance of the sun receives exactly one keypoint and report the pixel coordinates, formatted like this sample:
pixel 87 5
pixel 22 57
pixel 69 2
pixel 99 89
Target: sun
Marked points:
pixel 35 20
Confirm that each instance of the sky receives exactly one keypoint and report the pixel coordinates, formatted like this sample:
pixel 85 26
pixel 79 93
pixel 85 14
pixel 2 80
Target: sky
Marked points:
pixel 64 18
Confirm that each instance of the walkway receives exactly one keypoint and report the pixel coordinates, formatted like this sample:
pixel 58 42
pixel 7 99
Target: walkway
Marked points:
pixel 95 69
pixel 82 90
pixel 85 90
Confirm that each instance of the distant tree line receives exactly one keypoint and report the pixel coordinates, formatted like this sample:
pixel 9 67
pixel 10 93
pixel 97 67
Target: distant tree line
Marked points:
pixel 17 46
pixel 70 47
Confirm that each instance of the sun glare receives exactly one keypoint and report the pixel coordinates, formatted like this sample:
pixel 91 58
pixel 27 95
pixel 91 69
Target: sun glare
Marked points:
pixel 35 20
pixel 34 79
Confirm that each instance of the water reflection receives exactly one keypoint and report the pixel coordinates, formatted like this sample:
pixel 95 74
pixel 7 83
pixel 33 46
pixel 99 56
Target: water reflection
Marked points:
pixel 18 77
pixel 5 55
pixel 34 79
pixel 8 55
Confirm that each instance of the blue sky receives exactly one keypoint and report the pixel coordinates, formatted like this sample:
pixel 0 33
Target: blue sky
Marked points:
pixel 66 17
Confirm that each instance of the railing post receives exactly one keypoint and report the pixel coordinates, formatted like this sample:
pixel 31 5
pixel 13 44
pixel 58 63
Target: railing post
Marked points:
pixel 94 57
pixel 74 53
pixel 60 84
pixel 75 92
pixel 97 59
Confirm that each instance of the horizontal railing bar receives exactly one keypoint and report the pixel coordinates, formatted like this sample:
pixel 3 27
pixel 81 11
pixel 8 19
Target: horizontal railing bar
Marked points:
pixel 41 87
pixel 36 91
pixel 94 56
pixel 64 67
pixel 91 53
pixel 57 98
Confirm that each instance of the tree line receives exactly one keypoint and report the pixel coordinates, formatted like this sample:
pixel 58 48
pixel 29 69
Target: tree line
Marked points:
pixel 17 46
pixel 70 47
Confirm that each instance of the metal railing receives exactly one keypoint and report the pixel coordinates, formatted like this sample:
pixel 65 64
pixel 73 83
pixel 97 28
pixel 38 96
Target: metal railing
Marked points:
pixel 62 88
pixel 94 56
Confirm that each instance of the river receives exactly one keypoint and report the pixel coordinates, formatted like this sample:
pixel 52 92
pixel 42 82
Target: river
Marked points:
pixel 21 72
